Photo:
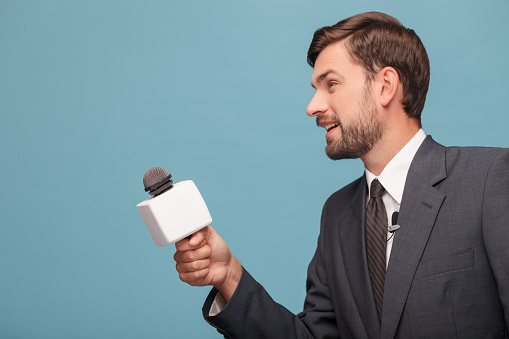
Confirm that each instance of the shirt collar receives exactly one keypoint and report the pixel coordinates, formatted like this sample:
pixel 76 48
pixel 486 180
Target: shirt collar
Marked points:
pixel 394 175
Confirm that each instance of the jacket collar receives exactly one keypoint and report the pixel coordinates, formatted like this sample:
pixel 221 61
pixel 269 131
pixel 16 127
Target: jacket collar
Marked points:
pixel 420 205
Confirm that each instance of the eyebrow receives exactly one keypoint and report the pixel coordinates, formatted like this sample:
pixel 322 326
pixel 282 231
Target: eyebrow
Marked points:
pixel 322 76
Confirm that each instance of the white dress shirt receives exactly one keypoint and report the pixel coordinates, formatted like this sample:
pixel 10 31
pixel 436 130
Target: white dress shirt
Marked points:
pixel 393 178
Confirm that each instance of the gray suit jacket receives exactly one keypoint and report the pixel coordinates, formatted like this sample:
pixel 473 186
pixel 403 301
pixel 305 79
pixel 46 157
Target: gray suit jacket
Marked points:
pixel 448 274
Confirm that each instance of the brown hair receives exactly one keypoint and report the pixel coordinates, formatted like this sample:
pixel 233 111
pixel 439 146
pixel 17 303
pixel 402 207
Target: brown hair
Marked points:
pixel 377 40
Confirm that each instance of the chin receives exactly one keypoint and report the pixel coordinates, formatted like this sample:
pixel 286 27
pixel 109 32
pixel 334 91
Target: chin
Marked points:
pixel 340 152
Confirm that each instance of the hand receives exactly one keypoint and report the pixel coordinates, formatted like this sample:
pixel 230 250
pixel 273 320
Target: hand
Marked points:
pixel 205 259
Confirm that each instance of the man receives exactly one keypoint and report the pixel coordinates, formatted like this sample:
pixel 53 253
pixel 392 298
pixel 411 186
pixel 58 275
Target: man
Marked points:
pixel 417 247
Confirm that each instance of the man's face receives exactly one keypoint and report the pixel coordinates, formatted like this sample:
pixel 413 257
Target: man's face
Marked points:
pixel 343 105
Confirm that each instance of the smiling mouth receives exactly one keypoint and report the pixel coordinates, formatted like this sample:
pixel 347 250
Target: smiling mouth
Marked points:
pixel 330 127
pixel 328 124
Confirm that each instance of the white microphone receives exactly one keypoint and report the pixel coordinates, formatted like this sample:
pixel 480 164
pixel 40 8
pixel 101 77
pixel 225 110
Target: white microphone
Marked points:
pixel 174 211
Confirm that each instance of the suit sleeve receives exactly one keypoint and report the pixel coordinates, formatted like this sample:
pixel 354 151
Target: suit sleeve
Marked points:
pixel 252 313
pixel 495 223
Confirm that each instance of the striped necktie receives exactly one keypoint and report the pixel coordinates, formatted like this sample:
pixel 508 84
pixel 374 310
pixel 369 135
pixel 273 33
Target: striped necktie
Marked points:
pixel 376 242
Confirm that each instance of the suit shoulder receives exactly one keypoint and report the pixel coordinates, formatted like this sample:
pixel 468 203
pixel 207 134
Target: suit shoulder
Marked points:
pixel 480 157
pixel 475 152
pixel 346 193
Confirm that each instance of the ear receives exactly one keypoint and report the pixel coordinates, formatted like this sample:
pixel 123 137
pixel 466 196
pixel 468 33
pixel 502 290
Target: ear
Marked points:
pixel 390 85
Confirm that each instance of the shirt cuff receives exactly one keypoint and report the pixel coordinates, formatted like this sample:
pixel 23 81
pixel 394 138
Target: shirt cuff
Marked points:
pixel 217 305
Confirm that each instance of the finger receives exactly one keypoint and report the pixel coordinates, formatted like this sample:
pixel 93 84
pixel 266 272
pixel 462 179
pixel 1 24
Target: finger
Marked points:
pixel 192 278
pixel 193 254
pixel 197 254
pixel 178 256
pixel 193 266
pixel 183 245
pixel 198 239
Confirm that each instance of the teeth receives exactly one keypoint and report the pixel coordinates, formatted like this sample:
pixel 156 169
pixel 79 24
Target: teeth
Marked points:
pixel 329 126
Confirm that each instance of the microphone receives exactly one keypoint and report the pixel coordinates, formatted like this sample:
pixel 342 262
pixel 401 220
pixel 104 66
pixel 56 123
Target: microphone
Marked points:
pixel 174 211
pixel 394 227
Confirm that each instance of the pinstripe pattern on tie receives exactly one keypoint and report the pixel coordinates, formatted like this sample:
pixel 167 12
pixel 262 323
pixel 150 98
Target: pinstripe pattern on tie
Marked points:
pixel 376 242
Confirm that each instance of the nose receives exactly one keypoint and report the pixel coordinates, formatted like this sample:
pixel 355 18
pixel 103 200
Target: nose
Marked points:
pixel 316 106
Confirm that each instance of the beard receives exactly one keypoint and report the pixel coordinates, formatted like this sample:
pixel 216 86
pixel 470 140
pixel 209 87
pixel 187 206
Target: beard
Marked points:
pixel 358 137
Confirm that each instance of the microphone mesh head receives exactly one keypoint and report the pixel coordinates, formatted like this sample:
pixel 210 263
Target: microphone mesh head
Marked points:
pixel 154 175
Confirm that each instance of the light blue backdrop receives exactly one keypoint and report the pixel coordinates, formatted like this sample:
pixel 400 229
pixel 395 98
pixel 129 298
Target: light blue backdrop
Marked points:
pixel 94 93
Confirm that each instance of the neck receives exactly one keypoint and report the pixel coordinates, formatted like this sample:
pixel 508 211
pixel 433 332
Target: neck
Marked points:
pixel 395 137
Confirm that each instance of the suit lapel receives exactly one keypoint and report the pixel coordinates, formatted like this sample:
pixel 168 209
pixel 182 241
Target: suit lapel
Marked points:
pixel 353 251
pixel 420 205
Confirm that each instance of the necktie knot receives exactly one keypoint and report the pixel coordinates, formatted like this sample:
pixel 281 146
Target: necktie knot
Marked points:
pixel 377 190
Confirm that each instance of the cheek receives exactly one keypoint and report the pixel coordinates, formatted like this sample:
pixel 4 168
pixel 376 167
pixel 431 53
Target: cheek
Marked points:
pixel 344 104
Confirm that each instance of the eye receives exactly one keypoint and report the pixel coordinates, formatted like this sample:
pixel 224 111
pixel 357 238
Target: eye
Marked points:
pixel 331 84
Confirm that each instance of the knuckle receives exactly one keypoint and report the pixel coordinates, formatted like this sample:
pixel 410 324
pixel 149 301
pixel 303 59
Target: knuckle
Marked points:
pixel 207 250
pixel 195 265
pixel 195 255
pixel 189 256
pixel 178 245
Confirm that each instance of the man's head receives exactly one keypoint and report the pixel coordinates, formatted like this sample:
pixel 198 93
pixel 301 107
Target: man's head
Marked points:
pixel 375 40
pixel 343 104
pixel 364 67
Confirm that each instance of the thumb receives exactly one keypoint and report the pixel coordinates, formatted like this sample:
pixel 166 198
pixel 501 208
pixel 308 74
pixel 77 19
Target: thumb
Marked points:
pixel 200 237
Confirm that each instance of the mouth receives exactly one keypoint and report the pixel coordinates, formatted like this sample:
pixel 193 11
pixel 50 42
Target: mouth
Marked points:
pixel 330 127
pixel 330 124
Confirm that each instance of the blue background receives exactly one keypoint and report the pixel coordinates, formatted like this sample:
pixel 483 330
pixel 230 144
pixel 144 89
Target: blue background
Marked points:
pixel 94 93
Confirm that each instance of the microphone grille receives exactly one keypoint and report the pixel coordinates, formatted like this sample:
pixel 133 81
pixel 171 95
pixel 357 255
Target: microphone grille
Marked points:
pixel 154 175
